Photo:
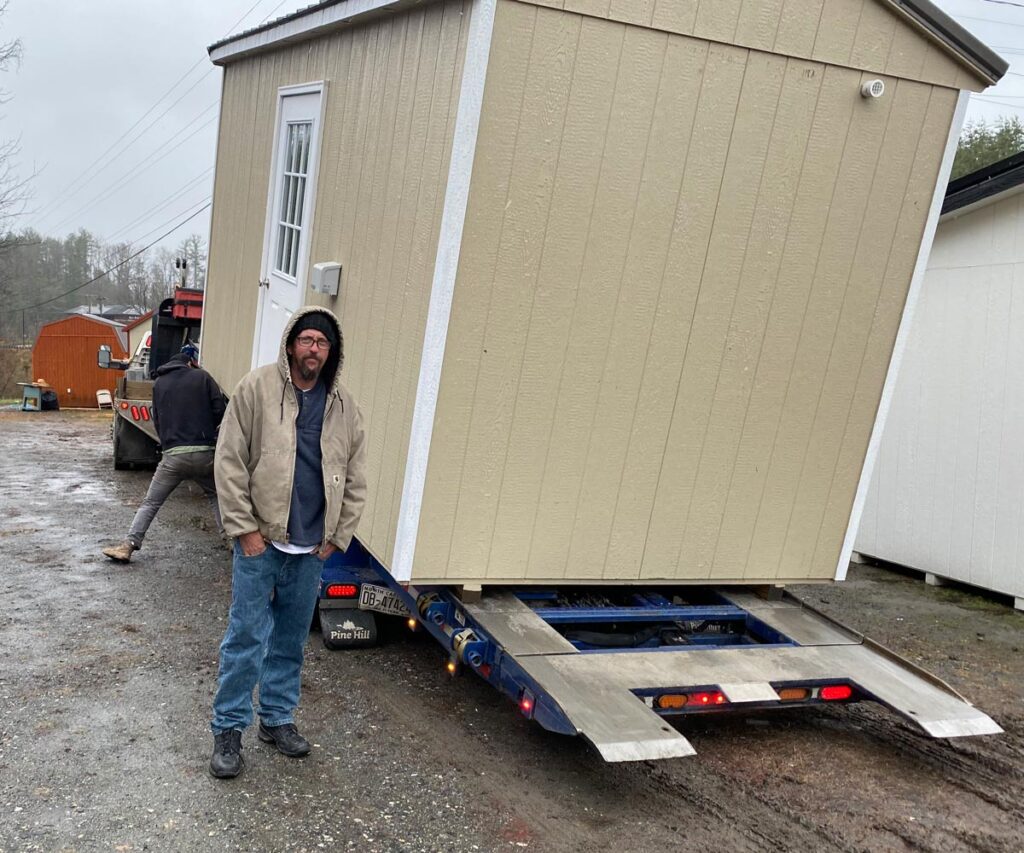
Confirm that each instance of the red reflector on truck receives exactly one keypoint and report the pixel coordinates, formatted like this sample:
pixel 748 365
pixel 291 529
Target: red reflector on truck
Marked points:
pixel 135 413
pixel 835 692
pixel 342 590
pixel 124 405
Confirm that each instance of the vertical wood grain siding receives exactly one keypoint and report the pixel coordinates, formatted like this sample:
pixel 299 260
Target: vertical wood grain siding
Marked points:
pixel 681 277
pixel 863 34
pixel 391 100
pixel 947 493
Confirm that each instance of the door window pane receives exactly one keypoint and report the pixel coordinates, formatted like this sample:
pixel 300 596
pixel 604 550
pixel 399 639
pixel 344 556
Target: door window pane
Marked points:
pixel 295 170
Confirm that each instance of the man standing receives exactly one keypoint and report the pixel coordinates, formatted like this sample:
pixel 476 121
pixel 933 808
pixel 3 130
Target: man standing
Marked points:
pixel 187 410
pixel 291 481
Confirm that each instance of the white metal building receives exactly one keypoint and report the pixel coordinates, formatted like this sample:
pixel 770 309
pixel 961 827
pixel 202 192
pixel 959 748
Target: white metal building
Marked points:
pixel 947 494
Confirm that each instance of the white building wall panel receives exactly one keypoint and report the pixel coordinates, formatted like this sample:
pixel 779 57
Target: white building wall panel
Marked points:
pixel 947 495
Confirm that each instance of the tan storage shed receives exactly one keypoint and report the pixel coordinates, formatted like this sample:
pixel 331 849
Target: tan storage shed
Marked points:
pixel 620 280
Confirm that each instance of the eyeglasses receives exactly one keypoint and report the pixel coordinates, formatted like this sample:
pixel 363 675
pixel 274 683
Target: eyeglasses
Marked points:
pixel 309 342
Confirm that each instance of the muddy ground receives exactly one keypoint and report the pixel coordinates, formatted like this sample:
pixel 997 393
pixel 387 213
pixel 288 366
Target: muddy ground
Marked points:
pixel 107 674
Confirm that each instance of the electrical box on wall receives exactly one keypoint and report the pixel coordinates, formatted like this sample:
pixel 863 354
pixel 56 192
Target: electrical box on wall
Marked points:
pixel 326 278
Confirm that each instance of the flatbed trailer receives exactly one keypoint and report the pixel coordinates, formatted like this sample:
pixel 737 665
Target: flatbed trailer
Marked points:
pixel 613 665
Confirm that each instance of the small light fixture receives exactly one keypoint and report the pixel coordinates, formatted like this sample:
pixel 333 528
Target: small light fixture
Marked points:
pixel 872 89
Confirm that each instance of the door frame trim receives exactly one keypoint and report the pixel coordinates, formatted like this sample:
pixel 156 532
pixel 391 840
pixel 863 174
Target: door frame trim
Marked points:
pixel 318 87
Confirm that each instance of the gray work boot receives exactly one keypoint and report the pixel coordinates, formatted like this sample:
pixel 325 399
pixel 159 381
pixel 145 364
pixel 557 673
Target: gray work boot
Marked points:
pixel 121 553
pixel 226 761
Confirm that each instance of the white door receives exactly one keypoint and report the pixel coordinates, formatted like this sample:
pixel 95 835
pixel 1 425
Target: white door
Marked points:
pixel 283 283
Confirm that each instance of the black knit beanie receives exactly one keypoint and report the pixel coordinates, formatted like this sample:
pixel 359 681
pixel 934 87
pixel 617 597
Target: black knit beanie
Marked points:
pixel 316 322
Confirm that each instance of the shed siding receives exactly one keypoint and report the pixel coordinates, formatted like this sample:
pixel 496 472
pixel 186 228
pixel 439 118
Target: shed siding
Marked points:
pixel 137 333
pixel 681 259
pixel 65 356
pixel 391 98
pixel 862 34
pixel 947 493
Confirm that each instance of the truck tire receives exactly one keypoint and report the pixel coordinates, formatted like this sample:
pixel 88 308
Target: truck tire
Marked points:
pixel 132 447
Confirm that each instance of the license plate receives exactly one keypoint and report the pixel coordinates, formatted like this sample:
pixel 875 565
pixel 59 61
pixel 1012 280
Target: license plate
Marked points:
pixel 381 599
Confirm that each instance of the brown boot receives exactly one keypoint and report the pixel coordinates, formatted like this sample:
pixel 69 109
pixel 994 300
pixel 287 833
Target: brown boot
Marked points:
pixel 121 553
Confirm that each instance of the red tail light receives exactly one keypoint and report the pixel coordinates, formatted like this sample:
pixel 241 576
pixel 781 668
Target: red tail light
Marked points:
pixel 835 692
pixel 713 697
pixel 124 405
pixel 342 590
pixel 135 413
pixel 145 413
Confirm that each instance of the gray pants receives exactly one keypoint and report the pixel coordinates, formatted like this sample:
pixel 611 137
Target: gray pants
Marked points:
pixel 169 473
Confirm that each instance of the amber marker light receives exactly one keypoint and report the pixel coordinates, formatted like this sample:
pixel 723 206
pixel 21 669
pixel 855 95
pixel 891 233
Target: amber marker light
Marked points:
pixel 451 667
pixel 412 624
pixel 670 701
pixel 793 694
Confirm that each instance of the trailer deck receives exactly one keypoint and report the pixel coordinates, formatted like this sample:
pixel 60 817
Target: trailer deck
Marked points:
pixel 614 665
pixel 738 651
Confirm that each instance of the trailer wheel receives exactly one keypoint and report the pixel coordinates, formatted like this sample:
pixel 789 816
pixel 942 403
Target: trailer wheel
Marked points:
pixel 132 447
pixel 116 430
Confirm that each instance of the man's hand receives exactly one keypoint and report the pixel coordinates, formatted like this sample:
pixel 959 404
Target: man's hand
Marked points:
pixel 253 544
pixel 325 550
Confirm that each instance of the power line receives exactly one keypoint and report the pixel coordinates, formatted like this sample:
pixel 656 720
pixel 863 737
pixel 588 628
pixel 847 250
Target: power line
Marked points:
pixel 110 270
pixel 137 170
pixel 149 214
pixel 990 21
pixel 60 197
pixel 988 100
pixel 84 177
pixel 114 159
pixel 205 204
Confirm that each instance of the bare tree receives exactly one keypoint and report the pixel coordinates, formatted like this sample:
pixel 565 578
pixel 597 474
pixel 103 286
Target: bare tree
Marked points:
pixel 13 190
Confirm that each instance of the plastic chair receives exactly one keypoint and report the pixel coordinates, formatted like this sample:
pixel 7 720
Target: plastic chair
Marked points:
pixel 104 400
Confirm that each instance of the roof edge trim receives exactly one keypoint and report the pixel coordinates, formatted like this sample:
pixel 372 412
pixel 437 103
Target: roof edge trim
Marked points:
pixel 302 25
pixel 985 183
pixel 964 43
pixel 332 14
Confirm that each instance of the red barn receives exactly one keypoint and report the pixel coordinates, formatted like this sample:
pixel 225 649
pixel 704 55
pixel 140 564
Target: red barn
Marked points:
pixel 65 356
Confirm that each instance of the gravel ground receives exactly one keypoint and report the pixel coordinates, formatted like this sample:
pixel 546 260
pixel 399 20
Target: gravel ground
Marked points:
pixel 108 674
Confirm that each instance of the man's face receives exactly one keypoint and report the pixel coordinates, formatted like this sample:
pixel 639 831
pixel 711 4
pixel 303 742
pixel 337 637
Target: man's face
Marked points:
pixel 308 353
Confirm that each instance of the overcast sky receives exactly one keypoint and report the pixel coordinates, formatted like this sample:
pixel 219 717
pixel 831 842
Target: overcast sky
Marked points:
pixel 91 71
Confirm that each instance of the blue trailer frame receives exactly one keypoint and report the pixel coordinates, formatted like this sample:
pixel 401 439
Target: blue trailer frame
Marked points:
pixel 610 663
pixel 606 622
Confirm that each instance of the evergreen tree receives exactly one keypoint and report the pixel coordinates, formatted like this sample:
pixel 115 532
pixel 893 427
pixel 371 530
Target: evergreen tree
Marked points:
pixel 982 144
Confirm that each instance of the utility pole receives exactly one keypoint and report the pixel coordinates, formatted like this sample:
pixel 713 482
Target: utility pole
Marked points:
pixel 182 264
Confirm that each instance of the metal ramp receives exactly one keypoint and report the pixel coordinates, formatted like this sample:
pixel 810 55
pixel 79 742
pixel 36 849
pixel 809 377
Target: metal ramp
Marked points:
pixel 598 691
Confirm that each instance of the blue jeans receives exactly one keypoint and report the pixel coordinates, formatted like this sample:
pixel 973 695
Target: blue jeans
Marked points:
pixel 272 599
